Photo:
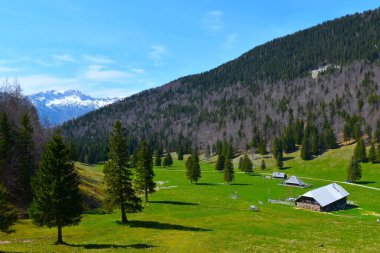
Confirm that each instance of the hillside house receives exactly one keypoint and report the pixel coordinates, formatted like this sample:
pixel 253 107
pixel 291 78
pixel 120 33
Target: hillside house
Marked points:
pixel 280 175
pixel 324 199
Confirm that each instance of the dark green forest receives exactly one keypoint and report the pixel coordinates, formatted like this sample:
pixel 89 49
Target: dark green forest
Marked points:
pixel 259 95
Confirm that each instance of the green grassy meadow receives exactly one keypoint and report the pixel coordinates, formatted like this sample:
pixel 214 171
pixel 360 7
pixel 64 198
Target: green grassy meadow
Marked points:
pixel 182 217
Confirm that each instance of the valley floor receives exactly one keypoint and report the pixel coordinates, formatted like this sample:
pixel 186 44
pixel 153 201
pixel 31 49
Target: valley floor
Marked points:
pixel 184 217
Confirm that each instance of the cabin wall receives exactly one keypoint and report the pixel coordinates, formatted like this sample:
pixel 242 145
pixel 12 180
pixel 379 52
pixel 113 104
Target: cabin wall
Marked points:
pixel 337 205
pixel 309 206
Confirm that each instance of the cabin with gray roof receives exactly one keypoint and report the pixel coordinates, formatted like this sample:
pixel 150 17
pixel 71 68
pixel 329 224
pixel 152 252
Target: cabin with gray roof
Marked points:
pixel 295 181
pixel 280 175
pixel 331 197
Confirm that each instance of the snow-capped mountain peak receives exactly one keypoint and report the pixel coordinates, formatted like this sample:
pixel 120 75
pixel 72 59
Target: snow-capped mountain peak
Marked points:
pixel 55 107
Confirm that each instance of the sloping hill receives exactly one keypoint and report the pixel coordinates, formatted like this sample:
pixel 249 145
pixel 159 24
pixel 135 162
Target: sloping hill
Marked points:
pixel 260 90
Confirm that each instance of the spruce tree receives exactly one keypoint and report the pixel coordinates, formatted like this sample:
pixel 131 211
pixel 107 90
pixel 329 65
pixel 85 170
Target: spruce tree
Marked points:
pixel 360 151
pixel 263 165
pixel 195 167
pixel 189 168
pixel 228 167
pixel 378 153
pixel 330 139
pixel 240 165
pixel 247 164
pixel 219 166
pixel 207 152
pixel 306 149
pixel 262 148
pixel 377 132
pixel 8 213
pixel 277 152
pixel 26 165
pixel 180 152
pixel 144 171
pixel 5 141
pixel 157 158
pixel 117 176
pixel 372 153
pixel 168 160
pixel 354 172
pixel 57 201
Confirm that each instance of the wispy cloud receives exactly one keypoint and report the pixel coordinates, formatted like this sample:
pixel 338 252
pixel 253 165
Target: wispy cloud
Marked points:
pixel 213 20
pixel 5 69
pixel 157 52
pixel 97 59
pixel 63 58
pixel 100 74
pixel 230 41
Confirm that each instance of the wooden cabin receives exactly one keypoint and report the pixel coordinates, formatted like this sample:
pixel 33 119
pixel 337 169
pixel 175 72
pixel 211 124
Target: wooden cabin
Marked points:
pixel 331 197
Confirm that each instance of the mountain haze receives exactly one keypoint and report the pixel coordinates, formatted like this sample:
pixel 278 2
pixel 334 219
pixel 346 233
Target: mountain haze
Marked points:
pixel 258 92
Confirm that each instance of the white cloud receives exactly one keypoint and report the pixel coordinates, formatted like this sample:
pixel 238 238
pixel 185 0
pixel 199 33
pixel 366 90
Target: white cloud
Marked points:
pixel 100 74
pixel 63 58
pixel 36 83
pixel 230 41
pixel 4 69
pixel 213 20
pixel 137 70
pixel 157 52
pixel 97 59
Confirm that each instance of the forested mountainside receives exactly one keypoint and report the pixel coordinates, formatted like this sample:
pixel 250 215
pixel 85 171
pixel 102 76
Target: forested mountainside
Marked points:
pixel 21 143
pixel 257 94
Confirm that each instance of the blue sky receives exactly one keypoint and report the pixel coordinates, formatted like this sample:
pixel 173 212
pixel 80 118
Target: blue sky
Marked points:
pixel 117 48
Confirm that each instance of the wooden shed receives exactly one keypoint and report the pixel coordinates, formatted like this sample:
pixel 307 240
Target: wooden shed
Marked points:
pixel 327 198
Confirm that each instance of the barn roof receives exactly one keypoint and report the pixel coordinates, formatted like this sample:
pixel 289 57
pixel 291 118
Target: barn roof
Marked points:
pixel 294 180
pixel 327 194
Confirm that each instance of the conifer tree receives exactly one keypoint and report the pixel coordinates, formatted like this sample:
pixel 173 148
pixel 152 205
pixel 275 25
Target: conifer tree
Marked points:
pixel 360 151
pixel 354 170
pixel 288 140
pixel 180 152
pixel 193 169
pixel 5 141
pixel 56 201
pixel 117 176
pixel 306 149
pixel 26 165
pixel 277 152
pixel 372 153
pixel 330 139
pixel 228 167
pixel 262 147
pixel 8 213
pixel 157 158
pixel 207 152
pixel 298 131
pixel 144 171
pixel 240 165
pixel 378 153
pixel 263 165
pixel 168 160
pixel 247 164
pixel 219 166
pixel 377 132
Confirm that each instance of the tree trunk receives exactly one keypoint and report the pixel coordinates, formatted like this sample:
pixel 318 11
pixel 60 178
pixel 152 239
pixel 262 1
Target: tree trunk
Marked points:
pixel 124 219
pixel 59 239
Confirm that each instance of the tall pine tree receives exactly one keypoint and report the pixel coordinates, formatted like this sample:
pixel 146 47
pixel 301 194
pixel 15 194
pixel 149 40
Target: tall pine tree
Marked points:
pixel 193 169
pixel 8 213
pixel 360 153
pixel 117 176
pixel 26 165
pixel 144 171
pixel 57 201
pixel 157 158
pixel 354 172
pixel 228 167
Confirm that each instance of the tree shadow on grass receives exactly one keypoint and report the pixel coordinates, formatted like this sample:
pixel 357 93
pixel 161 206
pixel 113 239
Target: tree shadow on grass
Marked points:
pixel 160 225
pixel 179 203
pixel 112 246
pixel 211 184
pixel 286 168
pixel 288 158
pixel 239 184
pixel 366 182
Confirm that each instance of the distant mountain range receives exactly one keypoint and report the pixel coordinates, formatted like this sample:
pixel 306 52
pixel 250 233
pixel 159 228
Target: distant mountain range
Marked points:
pixel 55 107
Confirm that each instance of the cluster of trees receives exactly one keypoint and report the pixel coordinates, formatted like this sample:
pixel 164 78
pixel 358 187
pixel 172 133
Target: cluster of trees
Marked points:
pixel 225 154
pixel 245 164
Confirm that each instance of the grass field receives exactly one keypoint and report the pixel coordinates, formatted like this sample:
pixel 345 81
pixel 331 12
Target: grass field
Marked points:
pixel 203 218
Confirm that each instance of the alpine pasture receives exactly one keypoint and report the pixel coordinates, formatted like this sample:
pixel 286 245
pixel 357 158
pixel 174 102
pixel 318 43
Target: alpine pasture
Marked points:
pixel 184 217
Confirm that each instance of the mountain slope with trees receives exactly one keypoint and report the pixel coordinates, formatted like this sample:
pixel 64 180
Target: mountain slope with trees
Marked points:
pixel 249 100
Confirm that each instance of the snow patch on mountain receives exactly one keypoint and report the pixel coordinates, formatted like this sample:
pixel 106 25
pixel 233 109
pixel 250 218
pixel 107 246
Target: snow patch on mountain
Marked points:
pixel 55 107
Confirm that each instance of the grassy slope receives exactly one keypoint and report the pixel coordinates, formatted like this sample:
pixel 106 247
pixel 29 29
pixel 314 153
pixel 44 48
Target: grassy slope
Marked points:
pixel 200 218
